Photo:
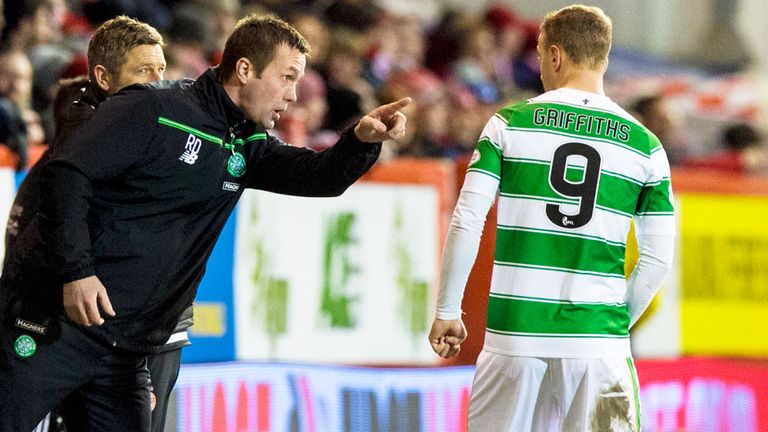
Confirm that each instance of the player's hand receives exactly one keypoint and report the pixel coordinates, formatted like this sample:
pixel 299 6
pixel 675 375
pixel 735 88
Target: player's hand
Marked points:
pixel 385 122
pixel 446 337
pixel 82 299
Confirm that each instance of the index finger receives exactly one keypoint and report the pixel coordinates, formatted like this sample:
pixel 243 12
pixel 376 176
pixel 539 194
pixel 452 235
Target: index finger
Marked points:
pixel 391 108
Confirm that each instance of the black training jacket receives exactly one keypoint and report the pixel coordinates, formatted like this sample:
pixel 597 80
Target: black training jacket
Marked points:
pixel 84 97
pixel 142 194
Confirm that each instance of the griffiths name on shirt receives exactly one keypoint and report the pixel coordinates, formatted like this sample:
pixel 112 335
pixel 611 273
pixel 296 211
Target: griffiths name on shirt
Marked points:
pixel 588 124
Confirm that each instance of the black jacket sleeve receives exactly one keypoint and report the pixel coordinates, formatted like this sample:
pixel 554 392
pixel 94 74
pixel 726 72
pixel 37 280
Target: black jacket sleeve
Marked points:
pixel 101 150
pixel 303 172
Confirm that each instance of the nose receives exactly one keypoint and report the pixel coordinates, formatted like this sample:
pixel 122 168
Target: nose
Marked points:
pixel 290 95
pixel 156 74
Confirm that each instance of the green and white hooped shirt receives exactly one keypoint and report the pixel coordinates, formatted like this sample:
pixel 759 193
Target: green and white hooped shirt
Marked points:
pixel 572 169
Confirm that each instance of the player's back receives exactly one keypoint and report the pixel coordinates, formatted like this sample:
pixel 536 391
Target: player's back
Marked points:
pixel 573 169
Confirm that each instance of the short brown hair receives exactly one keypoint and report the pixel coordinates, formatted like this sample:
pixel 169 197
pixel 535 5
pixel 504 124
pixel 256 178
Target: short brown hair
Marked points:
pixel 256 38
pixel 583 32
pixel 110 44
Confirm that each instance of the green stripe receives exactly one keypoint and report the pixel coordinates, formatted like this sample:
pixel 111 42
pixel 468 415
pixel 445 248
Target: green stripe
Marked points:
pixel 549 300
pixel 208 137
pixel 255 137
pixel 492 142
pixel 635 391
pixel 584 236
pixel 189 129
pixel 523 117
pixel 556 269
pixel 489 159
pixel 566 319
pixel 560 336
pixel 531 179
pixel 551 249
pixel 655 199
pixel 622 176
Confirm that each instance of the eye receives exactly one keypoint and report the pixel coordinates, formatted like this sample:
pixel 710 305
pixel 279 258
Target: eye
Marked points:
pixel 143 71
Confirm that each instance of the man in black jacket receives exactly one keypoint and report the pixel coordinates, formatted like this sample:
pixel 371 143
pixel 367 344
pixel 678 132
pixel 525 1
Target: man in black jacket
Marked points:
pixel 130 213
pixel 122 51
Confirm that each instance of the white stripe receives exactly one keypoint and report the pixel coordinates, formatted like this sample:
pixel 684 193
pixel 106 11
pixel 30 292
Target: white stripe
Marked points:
pixel 541 146
pixel 44 424
pixel 533 214
pixel 481 184
pixel 537 283
pixel 178 337
pixel 531 346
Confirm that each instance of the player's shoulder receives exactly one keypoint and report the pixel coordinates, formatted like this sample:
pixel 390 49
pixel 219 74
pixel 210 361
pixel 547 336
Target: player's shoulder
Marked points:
pixel 508 113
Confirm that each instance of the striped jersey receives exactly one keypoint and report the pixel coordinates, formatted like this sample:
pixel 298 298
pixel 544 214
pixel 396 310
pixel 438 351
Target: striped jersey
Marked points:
pixel 572 169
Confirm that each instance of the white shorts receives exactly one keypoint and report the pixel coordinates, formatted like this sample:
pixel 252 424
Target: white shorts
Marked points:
pixel 521 394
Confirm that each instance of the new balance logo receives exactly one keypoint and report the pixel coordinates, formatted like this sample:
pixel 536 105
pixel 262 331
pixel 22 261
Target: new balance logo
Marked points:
pixel 191 150
pixel 229 186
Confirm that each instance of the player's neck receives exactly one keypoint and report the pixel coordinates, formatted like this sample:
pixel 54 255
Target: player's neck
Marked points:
pixel 583 79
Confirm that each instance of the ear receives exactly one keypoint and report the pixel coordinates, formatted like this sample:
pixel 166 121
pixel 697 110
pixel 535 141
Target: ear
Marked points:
pixel 244 70
pixel 102 77
pixel 556 57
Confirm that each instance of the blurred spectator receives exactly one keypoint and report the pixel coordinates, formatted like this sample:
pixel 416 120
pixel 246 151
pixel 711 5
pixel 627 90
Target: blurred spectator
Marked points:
pixel 655 113
pixel 744 152
pixel 444 41
pixel 188 38
pixel 430 110
pixel 468 118
pixel 34 39
pixel 357 15
pixel 221 17
pixel 13 136
pixel 32 22
pixel 302 124
pixel 16 80
pixel 516 64
pixel 348 93
pixel 152 12
pixel 16 77
pixel 398 44
pixel 315 30
pixel 476 66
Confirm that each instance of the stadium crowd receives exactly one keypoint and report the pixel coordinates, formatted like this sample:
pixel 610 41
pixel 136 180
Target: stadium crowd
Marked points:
pixel 459 66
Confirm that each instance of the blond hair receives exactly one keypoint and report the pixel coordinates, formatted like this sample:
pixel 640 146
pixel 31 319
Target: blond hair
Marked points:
pixel 583 32
pixel 111 42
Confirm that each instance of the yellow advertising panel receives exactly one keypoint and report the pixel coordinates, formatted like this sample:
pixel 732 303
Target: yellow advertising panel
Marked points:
pixel 724 278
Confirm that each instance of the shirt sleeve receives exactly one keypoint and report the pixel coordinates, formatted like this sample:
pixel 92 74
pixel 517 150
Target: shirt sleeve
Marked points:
pixel 101 150
pixel 655 231
pixel 463 239
pixel 303 172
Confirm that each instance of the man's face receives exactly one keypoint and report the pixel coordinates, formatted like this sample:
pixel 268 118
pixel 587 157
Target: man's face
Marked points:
pixel 263 99
pixel 143 64
pixel 16 78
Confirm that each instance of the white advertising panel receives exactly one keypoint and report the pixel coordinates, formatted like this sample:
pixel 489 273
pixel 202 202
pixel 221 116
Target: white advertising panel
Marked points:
pixel 344 280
